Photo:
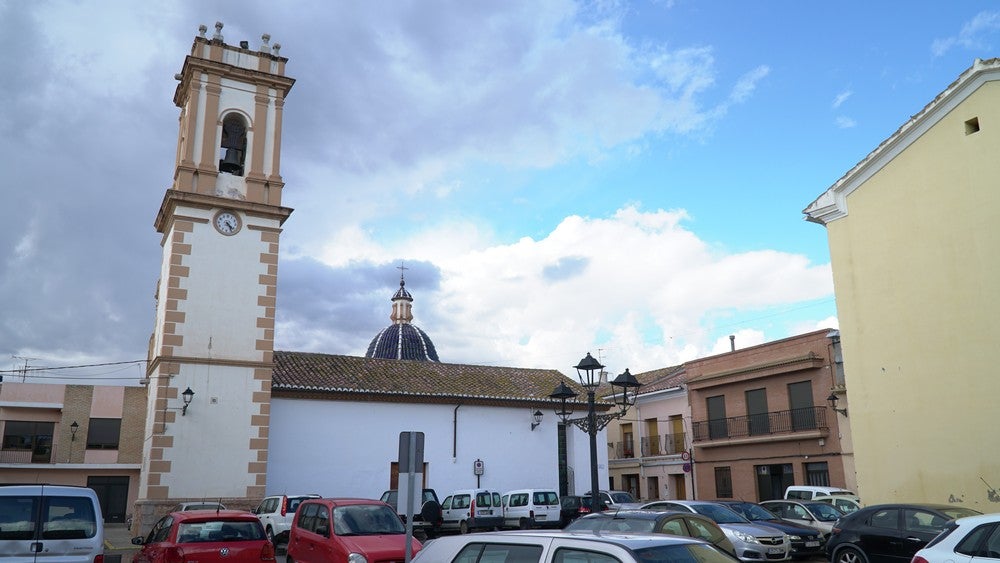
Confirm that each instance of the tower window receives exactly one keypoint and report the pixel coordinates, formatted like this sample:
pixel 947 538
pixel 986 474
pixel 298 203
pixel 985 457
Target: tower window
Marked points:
pixel 234 144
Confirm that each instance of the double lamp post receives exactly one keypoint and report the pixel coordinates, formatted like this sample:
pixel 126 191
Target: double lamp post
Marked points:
pixel 625 388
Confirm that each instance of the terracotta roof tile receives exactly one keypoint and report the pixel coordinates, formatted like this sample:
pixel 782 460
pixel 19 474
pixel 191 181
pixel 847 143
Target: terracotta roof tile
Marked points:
pixel 363 378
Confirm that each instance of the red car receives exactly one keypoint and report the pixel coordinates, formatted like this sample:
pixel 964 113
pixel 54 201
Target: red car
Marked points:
pixel 205 536
pixel 342 530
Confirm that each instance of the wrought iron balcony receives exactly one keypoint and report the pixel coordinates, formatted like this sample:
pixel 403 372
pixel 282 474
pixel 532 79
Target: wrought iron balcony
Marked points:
pixel 663 444
pixel 624 450
pixel 777 422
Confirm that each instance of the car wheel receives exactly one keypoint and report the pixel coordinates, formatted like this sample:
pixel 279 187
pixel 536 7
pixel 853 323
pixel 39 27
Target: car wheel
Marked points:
pixel 524 524
pixel 270 535
pixel 463 528
pixel 850 555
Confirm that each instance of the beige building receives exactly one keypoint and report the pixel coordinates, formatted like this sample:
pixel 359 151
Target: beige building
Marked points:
pixel 913 242
pixel 648 449
pixel 82 435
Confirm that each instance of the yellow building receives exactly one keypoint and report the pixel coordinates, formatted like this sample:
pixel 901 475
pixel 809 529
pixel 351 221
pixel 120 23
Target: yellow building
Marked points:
pixel 914 241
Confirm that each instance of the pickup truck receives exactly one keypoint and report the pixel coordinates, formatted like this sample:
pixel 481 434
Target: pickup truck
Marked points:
pixel 426 517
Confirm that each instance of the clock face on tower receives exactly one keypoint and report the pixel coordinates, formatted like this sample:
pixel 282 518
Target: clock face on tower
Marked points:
pixel 227 222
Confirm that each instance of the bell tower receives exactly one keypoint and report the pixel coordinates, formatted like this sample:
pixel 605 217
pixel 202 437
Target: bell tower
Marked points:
pixel 211 352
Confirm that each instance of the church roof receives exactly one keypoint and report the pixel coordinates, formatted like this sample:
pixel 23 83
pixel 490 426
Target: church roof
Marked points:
pixel 329 376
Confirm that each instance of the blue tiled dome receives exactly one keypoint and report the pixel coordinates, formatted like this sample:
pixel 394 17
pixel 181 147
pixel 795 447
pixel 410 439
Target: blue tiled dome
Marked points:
pixel 402 342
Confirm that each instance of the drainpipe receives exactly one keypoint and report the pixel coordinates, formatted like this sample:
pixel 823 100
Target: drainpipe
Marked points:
pixel 454 433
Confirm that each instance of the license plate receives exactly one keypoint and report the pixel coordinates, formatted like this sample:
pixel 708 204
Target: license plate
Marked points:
pixel 775 550
pixel 812 544
pixel 540 517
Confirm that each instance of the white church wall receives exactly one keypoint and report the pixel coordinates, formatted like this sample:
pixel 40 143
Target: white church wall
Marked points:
pixel 346 449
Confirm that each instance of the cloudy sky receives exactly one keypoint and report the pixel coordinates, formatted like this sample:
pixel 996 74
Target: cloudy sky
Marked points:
pixel 623 178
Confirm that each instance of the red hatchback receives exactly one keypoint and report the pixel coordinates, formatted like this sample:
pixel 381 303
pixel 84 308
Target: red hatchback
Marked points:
pixel 206 536
pixel 342 530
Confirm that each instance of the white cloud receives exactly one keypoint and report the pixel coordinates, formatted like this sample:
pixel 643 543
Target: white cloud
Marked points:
pixel 844 122
pixel 841 98
pixel 974 35
pixel 636 284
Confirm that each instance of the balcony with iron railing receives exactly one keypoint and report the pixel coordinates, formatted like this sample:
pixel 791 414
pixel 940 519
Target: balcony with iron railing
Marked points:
pixel 38 455
pixel 808 422
pixel 650 446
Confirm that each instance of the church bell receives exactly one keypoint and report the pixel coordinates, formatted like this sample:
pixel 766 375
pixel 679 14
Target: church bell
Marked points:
pixel 231 163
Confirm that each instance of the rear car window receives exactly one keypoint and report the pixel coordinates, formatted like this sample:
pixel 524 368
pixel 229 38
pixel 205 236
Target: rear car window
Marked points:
pixel 17 517
pixel 219 530
pixel 545 498
pixel 484 500
pixel 67 518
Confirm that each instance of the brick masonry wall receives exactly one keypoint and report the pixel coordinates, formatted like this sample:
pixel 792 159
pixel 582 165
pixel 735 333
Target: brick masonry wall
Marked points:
pixel 133 425
pixel 76 408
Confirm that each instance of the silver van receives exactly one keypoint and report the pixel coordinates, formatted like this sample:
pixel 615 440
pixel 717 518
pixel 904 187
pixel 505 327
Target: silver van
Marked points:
pixel 50 523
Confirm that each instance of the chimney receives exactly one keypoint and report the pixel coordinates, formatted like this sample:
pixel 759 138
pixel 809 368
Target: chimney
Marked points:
pixel 732 342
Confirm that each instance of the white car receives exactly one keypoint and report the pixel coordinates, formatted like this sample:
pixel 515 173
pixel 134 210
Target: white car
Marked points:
pixel 276 514
pixel 753 542
pixel 554 546
pixel 964 539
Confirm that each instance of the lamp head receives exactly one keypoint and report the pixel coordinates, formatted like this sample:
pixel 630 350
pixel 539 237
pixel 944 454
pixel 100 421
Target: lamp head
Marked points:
pixel 537 417
pixel 629 389
pixel 187 395
pixel 563 393
pixel 586 369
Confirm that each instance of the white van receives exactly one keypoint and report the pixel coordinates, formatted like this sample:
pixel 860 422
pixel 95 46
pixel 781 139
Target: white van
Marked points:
pixel 50 523
pixel 531 508
pixel 471 509
pixel 809 492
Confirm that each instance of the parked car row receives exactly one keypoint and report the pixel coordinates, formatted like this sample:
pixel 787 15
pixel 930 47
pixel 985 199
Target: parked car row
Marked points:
pixel 351 529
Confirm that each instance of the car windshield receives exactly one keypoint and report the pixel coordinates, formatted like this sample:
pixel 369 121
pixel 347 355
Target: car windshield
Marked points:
pixel 686 553
pixel 720 514
pixel 622 497
pixel 219 530
pixel 366 520
pixel 753 512
pixel 824 512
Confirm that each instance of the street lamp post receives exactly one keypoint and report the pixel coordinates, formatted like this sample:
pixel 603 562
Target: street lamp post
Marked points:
pixel 589 372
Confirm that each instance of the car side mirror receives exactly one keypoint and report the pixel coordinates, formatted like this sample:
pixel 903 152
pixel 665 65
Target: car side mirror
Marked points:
pixel 323 531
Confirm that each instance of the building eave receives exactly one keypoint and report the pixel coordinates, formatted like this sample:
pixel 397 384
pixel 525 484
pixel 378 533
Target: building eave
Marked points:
pixel 832 204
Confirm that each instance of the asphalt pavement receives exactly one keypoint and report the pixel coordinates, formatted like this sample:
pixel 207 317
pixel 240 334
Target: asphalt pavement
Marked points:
pixel 118 546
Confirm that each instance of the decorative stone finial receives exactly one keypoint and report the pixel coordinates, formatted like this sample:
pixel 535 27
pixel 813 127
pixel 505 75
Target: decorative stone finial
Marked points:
pixel 218 31
pixel 264 40
pixel 202 30
pixel 277 47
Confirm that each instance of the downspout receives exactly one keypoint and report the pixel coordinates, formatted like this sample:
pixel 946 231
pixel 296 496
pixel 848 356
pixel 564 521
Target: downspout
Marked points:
pixel 454 433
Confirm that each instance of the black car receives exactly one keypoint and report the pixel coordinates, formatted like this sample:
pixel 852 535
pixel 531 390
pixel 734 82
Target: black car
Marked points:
pixel 426 516
pixel 889 533
pixel 806 541
pixel 572 507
